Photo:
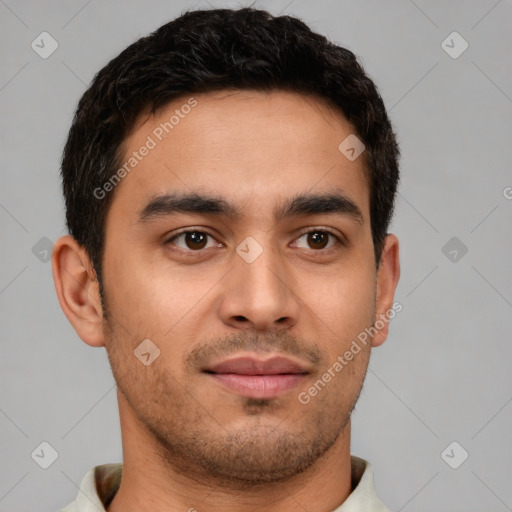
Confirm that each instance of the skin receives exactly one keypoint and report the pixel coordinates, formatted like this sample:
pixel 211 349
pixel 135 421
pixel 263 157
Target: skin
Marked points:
pixel 201 445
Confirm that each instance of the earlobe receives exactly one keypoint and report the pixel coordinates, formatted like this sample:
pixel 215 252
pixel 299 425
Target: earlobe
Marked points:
pixel 78 290
pixel 387 281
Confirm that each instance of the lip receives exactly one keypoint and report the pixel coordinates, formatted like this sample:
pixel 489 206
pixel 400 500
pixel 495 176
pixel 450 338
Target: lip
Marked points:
pixel 258 378
pixel 247 365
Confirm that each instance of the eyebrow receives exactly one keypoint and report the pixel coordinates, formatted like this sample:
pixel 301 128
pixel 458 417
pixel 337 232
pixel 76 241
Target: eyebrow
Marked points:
pixel 300 204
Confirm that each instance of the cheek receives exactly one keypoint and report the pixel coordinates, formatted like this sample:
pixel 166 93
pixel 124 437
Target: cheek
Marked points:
pixel 344 302
pixel 155 301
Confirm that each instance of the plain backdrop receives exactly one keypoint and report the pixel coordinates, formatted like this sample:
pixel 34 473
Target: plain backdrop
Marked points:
pixel 442 377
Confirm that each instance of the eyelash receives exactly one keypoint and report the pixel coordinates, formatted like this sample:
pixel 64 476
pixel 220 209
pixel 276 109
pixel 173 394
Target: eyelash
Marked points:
pixel 339 241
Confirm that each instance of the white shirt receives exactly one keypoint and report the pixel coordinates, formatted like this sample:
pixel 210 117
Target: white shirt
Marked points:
pixel 101 483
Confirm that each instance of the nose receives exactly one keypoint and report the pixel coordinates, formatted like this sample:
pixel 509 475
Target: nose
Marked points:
pixel 259 295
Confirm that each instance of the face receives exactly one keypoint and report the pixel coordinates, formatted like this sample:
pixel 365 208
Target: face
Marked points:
pixel 250 293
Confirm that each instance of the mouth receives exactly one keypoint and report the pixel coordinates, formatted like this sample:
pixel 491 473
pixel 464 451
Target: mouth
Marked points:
pixel 258 378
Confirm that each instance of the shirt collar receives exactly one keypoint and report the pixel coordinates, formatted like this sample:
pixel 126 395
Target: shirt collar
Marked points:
pixel 363 498
pixel 101 483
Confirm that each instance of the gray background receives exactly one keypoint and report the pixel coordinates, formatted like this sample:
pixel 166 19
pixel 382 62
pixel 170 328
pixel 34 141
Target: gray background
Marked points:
pixel 444 373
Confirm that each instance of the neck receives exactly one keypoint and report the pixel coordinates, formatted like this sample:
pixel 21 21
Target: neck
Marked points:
pixel 150 483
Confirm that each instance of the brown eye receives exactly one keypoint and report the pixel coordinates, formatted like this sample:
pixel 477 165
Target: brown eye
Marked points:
pixel 318 239
pixel 193 240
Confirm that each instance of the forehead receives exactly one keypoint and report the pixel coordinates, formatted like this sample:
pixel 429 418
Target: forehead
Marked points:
pixel 250 146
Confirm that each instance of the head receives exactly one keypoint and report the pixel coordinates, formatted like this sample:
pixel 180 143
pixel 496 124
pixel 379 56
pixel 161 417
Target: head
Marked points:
pixel 214 210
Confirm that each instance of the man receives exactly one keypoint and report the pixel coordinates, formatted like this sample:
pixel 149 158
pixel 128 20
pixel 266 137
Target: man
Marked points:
pixel 229 181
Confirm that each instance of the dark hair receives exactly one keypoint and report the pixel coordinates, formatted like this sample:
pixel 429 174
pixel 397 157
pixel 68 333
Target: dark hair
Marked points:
pixel 210 50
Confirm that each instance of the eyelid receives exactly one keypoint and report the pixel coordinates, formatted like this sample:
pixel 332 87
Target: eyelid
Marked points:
pixel 340 237
pixel 189 230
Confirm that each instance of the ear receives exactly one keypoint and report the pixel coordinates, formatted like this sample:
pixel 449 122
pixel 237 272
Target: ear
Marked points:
pixel 78 290
pixel 387 281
